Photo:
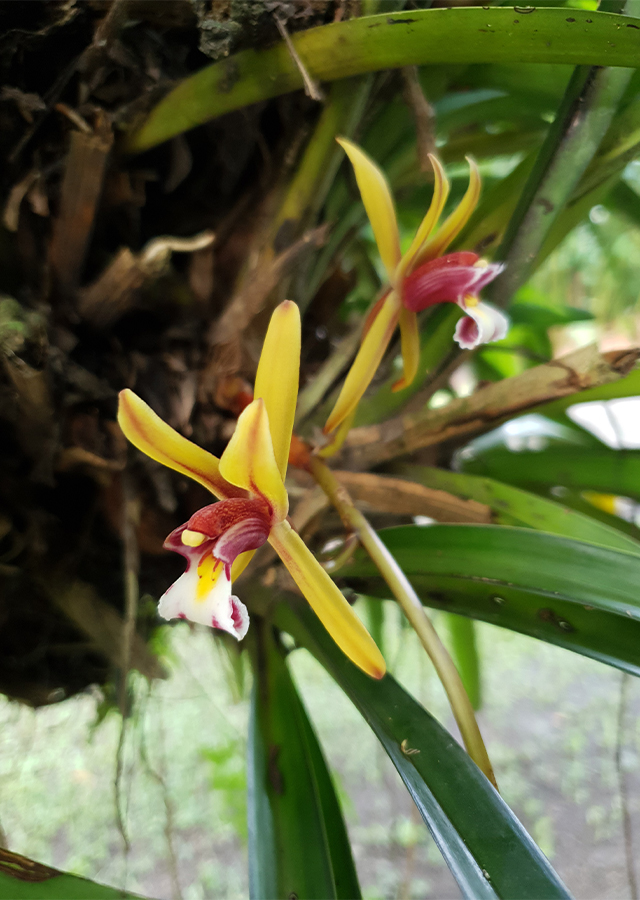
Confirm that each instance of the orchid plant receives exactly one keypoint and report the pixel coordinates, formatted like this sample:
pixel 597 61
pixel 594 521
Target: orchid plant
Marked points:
pixel 422 277
pixel 248 480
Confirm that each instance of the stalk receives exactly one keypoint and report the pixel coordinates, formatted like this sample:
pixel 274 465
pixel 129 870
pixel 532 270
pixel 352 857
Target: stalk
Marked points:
pixel 414 611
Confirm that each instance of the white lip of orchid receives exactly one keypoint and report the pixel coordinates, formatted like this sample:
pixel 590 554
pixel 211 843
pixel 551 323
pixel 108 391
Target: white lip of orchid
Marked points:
pixel 215 607
pixel 491 324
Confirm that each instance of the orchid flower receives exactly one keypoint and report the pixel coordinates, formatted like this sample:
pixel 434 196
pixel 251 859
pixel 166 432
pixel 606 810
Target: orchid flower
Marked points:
pixel 421 277
pixel 218 540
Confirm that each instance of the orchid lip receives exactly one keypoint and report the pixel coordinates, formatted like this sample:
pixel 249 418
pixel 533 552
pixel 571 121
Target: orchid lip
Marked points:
pixel 447 280
pixel 226 529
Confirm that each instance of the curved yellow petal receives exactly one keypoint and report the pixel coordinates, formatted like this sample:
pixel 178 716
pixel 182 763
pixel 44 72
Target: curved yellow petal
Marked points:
pixel 378 203
pixel 326 601
pixel 339 437
pixel 240 563
pixel 455 222
pixel 278 376
pixel 249 462
pixel 366 362
pixel 152 436
pixel 410 342
pixel 440 195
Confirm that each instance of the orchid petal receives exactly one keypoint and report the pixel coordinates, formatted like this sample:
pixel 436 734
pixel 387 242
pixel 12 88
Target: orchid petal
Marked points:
pixel 438 201
pixel 481 324
pixel 454 224
pixel 152 436
pixel 327 602
pixel 249 461
pixel 278 375
pixel 338 438
pixel 366 362
pixel 378 203
pixel 410 344
pixel 203 594
pixel 241 563
pixel 447 279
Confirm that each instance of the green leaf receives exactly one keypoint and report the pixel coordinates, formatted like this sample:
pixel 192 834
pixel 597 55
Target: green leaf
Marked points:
pixel 23 879
pixel 584 468
pixel 513 506
pixel 485 846
pixel 624 387
pixel 580 596
pixel 298 843
pixel 385 41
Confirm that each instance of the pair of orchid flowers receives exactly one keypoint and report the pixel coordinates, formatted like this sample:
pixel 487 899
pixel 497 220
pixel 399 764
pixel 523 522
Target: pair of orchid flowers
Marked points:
pixel 219 540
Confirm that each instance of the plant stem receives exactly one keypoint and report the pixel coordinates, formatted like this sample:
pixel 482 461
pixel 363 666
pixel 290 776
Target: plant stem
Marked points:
pixel 414 611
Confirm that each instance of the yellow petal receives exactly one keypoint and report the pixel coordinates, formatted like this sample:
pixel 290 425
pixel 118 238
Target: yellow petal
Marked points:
pixel 240 563
pixel 149 433
pixel 339 437
pixel 410 342
pixel 249 462
pixel 378 203
pixel 440 194
pixel 455 222
pixel 278 375
pixel 326 601
pixel 366 362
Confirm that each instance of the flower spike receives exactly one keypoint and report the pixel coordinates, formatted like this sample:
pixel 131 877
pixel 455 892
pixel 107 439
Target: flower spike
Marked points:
pixel 414 285
pixel 219 540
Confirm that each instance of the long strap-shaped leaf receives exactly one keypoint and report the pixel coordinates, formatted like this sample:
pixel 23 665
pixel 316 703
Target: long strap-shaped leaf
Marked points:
pixel 23 879
pixel 578 595
pixel 513 506
pixel 485 846
pixel 298 843
pixel 584 468
pixel 477 35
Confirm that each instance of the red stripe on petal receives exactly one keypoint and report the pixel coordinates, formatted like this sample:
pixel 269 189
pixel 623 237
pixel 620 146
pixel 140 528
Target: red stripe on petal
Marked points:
pixel 447 279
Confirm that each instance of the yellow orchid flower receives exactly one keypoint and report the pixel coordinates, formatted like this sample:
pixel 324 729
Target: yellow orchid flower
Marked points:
pixel 420 278
pixel 248 479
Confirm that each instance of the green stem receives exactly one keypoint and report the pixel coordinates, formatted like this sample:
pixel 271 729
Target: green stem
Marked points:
pixel 414 611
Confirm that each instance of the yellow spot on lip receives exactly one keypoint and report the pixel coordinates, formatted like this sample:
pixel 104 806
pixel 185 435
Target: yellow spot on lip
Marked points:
pixel 193 538
pixel 470 300
pixel 209 571
pixel 480 264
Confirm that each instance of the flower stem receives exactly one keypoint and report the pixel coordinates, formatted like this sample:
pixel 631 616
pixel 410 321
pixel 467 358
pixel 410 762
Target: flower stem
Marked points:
pixel 414 611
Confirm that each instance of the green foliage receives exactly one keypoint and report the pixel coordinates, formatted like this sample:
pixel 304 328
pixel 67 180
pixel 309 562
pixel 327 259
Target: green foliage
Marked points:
pixel 229 781
pixel 22 879
pixel 298 843
pixel 489 853
pixel 575 594
pixel 365 45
